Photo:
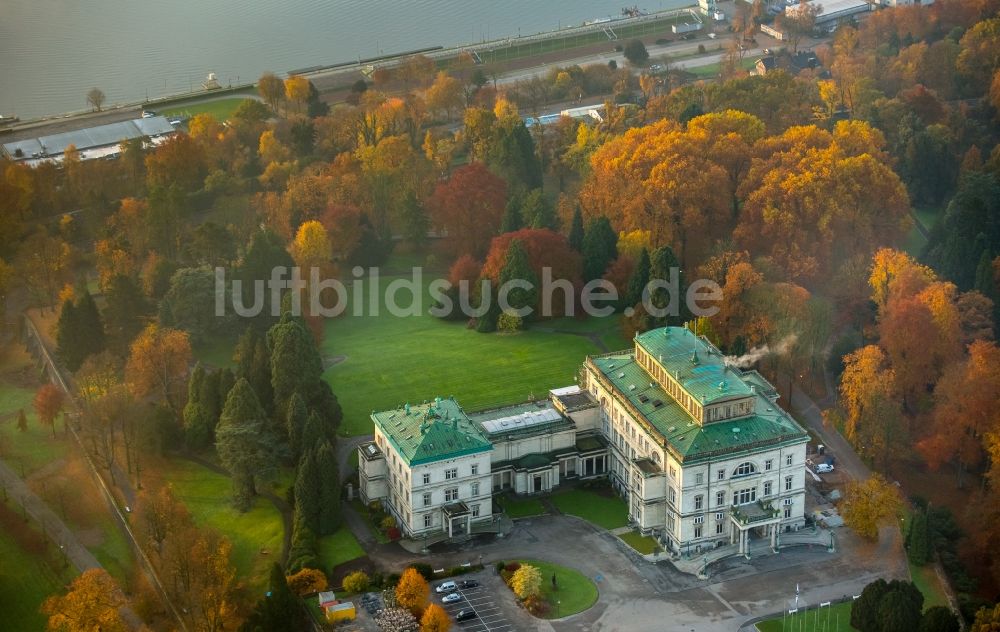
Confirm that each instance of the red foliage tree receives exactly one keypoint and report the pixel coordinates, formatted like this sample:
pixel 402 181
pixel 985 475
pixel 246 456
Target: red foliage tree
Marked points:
pixel 468 207
pixel 545 249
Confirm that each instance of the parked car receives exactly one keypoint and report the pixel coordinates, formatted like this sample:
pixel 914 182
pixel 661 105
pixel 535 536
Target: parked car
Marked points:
pixel 451 597
pixel 469 583
pixel 446 587
pixel 824 468
pixel 465 615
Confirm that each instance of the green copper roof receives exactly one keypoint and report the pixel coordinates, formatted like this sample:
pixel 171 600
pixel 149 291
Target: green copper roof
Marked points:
pixel 682 435
pixel 696 364
pixel 432 431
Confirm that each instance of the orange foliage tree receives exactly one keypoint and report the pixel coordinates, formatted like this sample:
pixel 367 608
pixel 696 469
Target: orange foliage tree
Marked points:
pixel 435 619
pixel 48 404
pixel 158 363
pixel 545 249
pixel 179 161
pixel 92 603
pixel 412 591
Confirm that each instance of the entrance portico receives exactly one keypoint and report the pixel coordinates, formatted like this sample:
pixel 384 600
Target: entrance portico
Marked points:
pixel 746 518
pixel 458 518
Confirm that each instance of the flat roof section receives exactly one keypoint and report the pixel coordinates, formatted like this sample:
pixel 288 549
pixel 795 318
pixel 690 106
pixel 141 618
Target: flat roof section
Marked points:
pixel 89 138
pixel 526 418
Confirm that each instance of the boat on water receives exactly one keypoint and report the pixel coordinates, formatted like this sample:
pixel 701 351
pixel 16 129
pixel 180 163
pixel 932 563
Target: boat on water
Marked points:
pixel 6 119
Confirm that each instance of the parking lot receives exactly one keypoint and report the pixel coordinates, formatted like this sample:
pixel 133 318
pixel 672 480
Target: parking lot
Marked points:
pixel 482 600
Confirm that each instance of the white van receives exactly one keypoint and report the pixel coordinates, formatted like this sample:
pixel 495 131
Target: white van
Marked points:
pixel 446 587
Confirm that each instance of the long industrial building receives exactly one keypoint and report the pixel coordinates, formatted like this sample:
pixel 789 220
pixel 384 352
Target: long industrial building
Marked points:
pixel 102 141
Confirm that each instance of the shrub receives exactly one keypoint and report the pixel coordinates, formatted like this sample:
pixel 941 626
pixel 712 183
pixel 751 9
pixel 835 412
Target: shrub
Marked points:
pixel 390 580
pixel 500 565
pixel 393 534
pixel 536 605
pixel 388 523
pixel 357 582
pixel 510 322
pixel 636 53
pixel 512 567
pixel 307 581
pixel 701 49
pixel 458 570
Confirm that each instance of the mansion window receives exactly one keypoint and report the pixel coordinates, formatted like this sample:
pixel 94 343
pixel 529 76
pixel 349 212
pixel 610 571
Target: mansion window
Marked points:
pixel 671 495
pixel 427 479
pixel 768 464
pixel 673 472
pixel 451 494
pixel 428 520
pixel 744 496
pixel 720 516
pixel 698 501
pixel 450 474
pixel 427 500
pixel 475 489
pixel 475 469
pixel 719 527
pixel 788 512
pixel 475 511
pixel 721 475
pixel 745 469
pixel 788 483
pixel 697 531
pixel 699 478
pixel 699 519
pixel 720 498
pixel 788 459
pixel 767 488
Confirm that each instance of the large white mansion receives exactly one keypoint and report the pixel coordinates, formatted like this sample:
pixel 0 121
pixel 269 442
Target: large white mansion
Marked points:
pixel 700 450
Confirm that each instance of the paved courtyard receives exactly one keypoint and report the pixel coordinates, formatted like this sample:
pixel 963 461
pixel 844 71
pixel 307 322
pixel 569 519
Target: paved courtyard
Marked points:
pixel 639 595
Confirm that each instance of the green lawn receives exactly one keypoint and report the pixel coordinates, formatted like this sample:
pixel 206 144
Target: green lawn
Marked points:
pixel 522 507
pixel 339 547
pixel 574 592
pixel 836 618
pixel 711 71
pixel 608 512
pixel 925 579
pixel 256 535
pixel 362 510
pixel 221 109
pixel 391 360
pixel 26 580
pixel 641 543
pixel 34 447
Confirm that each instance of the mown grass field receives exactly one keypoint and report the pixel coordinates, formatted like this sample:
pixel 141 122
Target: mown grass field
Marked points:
pixel 385 361
pixel 30 450
pixel 221 109
pixel 339 547
pixel 574 592
pixel 836 618
pixel 606 511
pixel 641 543
pixel 256 535
pixel 26 580
pixel 521 507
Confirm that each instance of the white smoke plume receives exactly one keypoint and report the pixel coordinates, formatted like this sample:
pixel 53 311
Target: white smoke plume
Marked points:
pixel 757 354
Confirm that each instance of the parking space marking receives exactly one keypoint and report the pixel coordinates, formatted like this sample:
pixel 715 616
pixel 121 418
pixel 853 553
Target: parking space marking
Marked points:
pixel 489 616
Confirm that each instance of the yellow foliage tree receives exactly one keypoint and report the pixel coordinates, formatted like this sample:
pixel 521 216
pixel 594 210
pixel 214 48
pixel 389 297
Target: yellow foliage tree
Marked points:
pixel 310 580
pixel 526 581
pixel 412 591
pixel 271 149
pixel 311 246
pixel 356 582
pixel 868 504
pixel 630 244
pixel 435 619
pixel 892 269
pixel 92 603
pixel 297 90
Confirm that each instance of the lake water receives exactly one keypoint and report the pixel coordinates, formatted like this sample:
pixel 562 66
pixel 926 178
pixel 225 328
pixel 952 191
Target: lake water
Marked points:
pixel 53 51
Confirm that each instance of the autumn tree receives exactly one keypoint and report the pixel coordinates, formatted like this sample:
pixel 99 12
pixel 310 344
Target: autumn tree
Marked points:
pixel 48 403
pixel 246 446
pixel 468 208
pixel 867 395
pixel 311 246
pixel 271 89
pixel 157 364
pixel 526 581
pixel 93 602
pixel 43 264
pixel 435 619
pixel 967 397
pixel 868 504
pixel 412 591
pixel 309 581
pixel 444 95
pixel 179 161
pixel 297 90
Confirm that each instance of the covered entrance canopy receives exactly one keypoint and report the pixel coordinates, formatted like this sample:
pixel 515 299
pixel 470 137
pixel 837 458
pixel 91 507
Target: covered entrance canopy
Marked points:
pixel 746 518
pixel 458 518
